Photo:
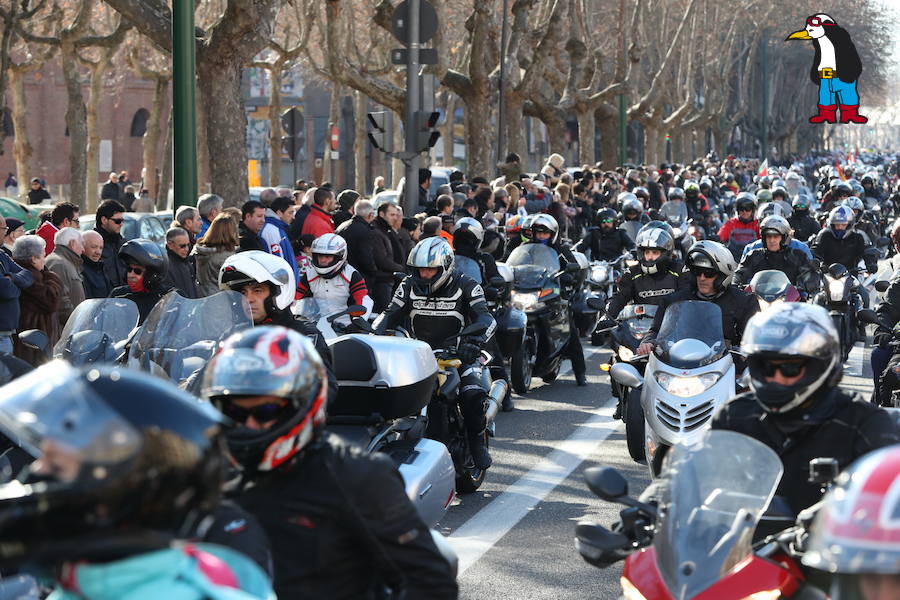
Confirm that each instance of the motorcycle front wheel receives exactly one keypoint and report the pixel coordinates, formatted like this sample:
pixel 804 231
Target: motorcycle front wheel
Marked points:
pixel 634 425
pixel 520 366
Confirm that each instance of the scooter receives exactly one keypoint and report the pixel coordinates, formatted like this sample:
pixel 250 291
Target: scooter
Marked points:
pixel 770 287
pixel 97 331
pixel 841 298
pixel 697 542
pixel 689 374
pixel 602 280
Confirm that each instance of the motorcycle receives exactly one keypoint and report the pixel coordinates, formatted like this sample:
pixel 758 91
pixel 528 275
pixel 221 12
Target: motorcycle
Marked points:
pixel 602 279
pixel 537 291
pixel 512 325
pixel 772 287
pixel 584 313
pixel 97 331
pixel 384 386
pixel 840 297
pixel 689 374
pixel 180 335
pixel 698 543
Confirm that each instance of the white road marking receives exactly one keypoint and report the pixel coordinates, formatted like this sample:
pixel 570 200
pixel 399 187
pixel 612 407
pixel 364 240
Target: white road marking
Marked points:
pixel 854 365
pixel 484 529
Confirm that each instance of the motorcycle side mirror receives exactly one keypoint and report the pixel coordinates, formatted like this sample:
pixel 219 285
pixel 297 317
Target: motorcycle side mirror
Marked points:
pixel 882 285
pixel 357 310
pixel 606 325
pixel 35 339
pixel 566 279
pixel 823 470
pixel 599 546
pixel 572 267
pixel 497 281
pixel 625 374
pixel 867 315
pixel 363 325
pixel 595 303
pixel 606 483
pixel 473 330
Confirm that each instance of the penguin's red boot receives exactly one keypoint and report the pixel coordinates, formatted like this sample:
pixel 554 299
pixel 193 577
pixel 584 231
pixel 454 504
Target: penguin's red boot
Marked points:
pixel 827 114
pixel 849 114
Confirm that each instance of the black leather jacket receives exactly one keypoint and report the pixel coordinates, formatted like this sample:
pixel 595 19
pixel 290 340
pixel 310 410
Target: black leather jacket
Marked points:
pixel 640 288
pixel 436 318
pixel 605 245
pixel 339 523
pixel 840 425
pixel 804 225
pixel 737 308
pixel 848 250
pixel 790 261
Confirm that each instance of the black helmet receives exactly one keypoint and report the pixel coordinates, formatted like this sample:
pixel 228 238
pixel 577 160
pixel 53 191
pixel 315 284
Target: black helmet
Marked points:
pixel 148 255
pixel 842 189
pixel 119 454
pixel 795 332
pixel 269 361
pixel 745 200
pixel 606 215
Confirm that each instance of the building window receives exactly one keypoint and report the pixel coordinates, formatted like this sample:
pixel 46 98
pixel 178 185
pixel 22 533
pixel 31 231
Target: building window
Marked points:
pixel 139 122
pixel 9 130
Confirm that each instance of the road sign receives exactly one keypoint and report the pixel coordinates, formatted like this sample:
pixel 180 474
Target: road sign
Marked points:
pixel 427 56
pixel 292 121
pixel 335 137
pixel 428 21
pixel 291 145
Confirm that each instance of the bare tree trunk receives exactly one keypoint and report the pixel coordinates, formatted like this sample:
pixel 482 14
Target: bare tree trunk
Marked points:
pixel 98 71
pixel 515 126
pixel 328 166
pixel 479 145
pixel 651 145
pixel 165 179
pixel 359 142
pixel 556 132
pixel 76 121
pixel 587 125
pixel 22 149
pixel 609 141
pixel 447 133
pixel 220 83
pixel 204 175
pixel 151 136
pixel 276 77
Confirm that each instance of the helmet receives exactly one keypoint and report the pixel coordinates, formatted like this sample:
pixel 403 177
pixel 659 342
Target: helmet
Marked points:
pixel 633 174
pixel 691 188
pixel 764 195
pixel 779 225
pixel 433 252
pixel 778 183
pixel 632 207
pixel 867 179
pixel 858 189
pixel 606 214
pixel 256 266
pixel 658 225
pixel 544 222
pixel 148 255
pixel 855 531
pixel 842 188
pixel 119 452
pixel 329 244
pixel 713 255
pixel 840 214
pixel 469 227
pixel 745 200
pixel 769 209
pixel 676 193
pixel 269 361
pixel 705 182
pixel 791 331
pixel 854 203
pixel 527 221
pixel 657 239
pixel 624 197
pixel 832 185
pixel 514 224
pixel 641 192
pixel 800 202
pixel 779 191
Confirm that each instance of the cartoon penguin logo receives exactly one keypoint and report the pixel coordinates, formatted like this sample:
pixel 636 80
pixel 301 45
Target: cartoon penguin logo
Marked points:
pixel 835 69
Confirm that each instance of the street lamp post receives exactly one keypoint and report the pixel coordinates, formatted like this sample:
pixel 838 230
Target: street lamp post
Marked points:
pixel 501 106
pixel 184 103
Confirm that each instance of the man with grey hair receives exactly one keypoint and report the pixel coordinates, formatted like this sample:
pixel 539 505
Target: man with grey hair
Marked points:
pixel 357 231
pixel 267 196
pixel 66 263
pixel 188 218
pixel 13 279
pixel 181 274
pixel 208 205
pixel 96 283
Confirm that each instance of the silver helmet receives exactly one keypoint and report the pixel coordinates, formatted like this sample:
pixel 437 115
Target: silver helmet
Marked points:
pixel 707 254
pixel 433 252
pixel 779 225
pixel 654 239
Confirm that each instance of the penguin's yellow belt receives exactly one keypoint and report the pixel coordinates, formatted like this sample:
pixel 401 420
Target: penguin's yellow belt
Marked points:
pixel 827 73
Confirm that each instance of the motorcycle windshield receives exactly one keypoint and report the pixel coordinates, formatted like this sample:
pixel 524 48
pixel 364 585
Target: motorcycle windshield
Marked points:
pixel 307 308
pixel 709 508
pixel 638 318
pixel 631 228
pixel 532 264
pixel 93 329
pixel 675 213
pixel 468 266
pixel 180 335
pixel 691 335
pixel 770 284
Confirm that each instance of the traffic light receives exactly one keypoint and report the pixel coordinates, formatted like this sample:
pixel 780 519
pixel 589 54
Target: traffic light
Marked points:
pixel 382 134
pixel 291 146
pixel 426 134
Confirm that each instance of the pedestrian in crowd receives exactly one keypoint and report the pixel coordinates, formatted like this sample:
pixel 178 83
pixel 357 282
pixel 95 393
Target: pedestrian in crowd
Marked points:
pixel 253 218
pixel 431 227
pixel 235 213
pixel 111 189
pixel 387 254
pixel 13 279
pixel 424 197
pixel 143 203
pixel 318 222
pixel 219 242
pixel 209 206
pixel 64 214
pixel 38 302
pixel 37 194
pixel 66 263
pixel 301 185
pixel 181 274
pixel 15 228
pixel 358 234
pixel 443 205
pixel 108 223
pixel 345 202
pixel 511 168
pixel 407 226
pixel 280 213
pixel 301 214
pixel 379 185
pixel 146 268
pixel 96 283
pixel 127 199
pixel 188 218
pixel 12 186
pixel 124 182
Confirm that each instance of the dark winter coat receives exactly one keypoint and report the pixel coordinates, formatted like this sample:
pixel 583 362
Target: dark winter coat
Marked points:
pixel 112 264
pixel 39 304
pixel 387 253
pixel 182 275
pixel 96 283
pixel 360 240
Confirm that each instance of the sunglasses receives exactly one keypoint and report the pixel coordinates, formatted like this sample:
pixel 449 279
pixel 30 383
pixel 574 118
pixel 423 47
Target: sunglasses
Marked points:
pixel 136 270
pixel 264 413
pixel 118 221
pixel 788 369
pixel 606 220
pixel 702 272
pixel 816 22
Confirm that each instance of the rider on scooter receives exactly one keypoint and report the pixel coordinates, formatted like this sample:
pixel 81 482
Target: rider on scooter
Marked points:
pixel 839 242
pixel 794 404
pixel 146 267
pixel 440 302
pixel 776 253
pixel 338 519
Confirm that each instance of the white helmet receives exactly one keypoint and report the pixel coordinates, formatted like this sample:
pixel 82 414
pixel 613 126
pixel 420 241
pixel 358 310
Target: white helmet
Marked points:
pixel 707 254
pixel 329 244
pixel 547 223
pixel 433 252
pixel 256 266
pixel 472 226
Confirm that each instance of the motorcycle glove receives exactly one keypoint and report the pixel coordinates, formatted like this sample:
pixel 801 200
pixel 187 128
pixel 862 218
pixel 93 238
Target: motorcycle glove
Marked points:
pixel 882 339
pixel 468 352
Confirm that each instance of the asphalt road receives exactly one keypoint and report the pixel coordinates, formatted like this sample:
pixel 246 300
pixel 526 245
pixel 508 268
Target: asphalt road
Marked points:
pixel 515 535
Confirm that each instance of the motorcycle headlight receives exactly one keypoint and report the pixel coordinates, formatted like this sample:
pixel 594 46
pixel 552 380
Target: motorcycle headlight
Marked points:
pixel 639 327
pixel 686 387
pixel 763 305
pixel 836 289
pixel 599 274
pixel 625 353
pixel 525 301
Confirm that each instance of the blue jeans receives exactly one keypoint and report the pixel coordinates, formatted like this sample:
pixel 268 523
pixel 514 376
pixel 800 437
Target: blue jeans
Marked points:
pixel 880 358
pixel 834 91
pixel 6 345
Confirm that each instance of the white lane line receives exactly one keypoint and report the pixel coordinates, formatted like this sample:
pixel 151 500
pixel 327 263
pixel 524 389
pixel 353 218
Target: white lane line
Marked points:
pixel 484 529
pixel 854 364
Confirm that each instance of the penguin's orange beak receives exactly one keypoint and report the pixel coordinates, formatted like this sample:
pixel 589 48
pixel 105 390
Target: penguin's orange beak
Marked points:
pixel 799 35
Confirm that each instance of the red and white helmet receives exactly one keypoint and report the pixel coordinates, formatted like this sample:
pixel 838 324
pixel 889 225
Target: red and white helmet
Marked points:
pixel 856 534
pixel 329 244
